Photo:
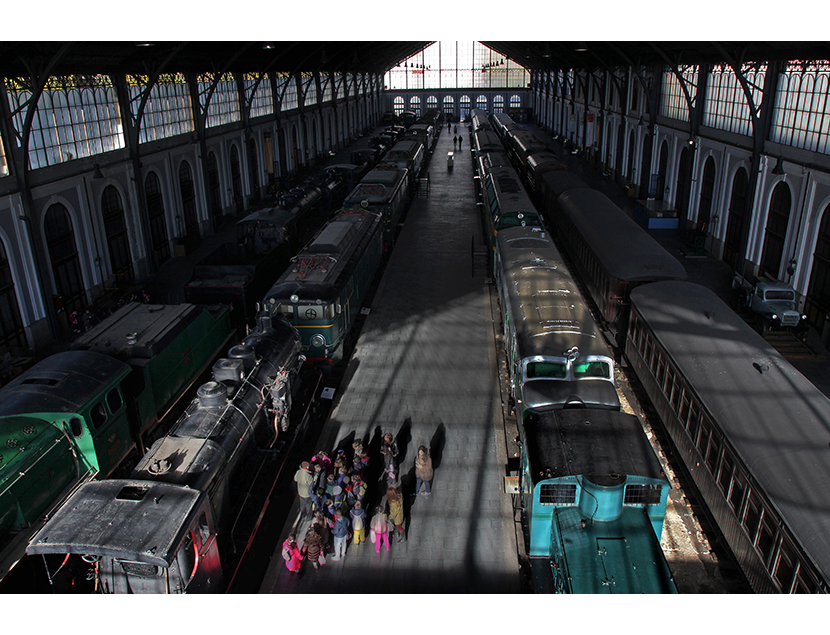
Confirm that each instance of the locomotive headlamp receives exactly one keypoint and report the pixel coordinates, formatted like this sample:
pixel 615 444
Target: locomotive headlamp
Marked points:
pixel 294 298
pixel 318 340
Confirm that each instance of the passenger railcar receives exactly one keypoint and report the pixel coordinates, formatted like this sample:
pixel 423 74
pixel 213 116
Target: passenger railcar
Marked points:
pixel 556 356
pixel 536 166
pixel 503 124
pixel 386 190
pixel 752 431
pixel 506 204
pixel 612 253
pixel 172 526
pixel 479 120
pixel 78 414
pixel 486 141
pixel 594 500
pixel 407 154
pixel 322 291
pixel 423 132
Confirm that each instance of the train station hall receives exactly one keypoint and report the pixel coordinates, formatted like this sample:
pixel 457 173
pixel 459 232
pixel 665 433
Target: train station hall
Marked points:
pixel 460 322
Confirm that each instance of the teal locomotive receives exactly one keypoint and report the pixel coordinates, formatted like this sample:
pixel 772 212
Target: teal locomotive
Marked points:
pixel 322 291
pixel 594 497
pixel 76 416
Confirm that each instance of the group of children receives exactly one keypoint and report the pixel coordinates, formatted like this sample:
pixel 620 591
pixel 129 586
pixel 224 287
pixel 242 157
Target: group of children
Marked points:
pixel 337 491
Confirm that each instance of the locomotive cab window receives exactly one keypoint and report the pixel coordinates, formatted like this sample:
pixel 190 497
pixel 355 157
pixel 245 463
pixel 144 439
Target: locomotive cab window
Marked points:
pixel 98 414
pixel 546 370
pixel 114 400
pixel 592 369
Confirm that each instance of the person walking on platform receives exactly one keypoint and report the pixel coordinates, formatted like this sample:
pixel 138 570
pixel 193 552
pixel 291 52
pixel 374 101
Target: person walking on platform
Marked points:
pixel 358 516
pixel 379 530
pixel 313 546
pixel 423 471
pixel 303 479
pixel 291 553
pixel 459 141
pixel 340 531
pixel 393 495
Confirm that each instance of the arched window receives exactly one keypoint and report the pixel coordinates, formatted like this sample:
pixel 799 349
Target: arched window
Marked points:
pixel 449 107
pixel 11 326
pixel 817 302
pixel 66 267
pixel 432 102
pixel 515 101
pixel 188 190
pixel 707 192
pixel 398 105
pixel 118 241
pixel 776 231
pixel 155 213
pixel 498 103
pixel 481 102
pixel 415 105
pixel 464 107
pixel 732 248
pixel 214 189
pixel 236 180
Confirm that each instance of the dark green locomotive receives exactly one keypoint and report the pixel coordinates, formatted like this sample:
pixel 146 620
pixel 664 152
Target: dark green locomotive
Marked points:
pixel 76 415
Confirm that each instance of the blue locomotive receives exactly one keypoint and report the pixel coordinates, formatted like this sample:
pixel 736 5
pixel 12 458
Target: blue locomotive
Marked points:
pixel 594 497
pixel 172 526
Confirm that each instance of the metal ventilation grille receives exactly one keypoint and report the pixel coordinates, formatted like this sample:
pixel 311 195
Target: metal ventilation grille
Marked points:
pixel 643 494
pixel 557 494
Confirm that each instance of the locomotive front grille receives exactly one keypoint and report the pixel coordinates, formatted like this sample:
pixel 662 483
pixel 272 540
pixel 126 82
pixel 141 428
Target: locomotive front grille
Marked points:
pixel 789 319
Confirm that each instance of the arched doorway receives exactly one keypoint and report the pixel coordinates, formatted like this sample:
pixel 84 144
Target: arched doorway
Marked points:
pixel 662 167
pixel 236 181
pixel 707 193
pixel 253 170
pixel 188 190
pixel 155 214
pixel 214 189
pixel 732 248
pixel 681 197
pixel 817 302
pixel 645 169
pixel 66 266
pixel 776 231
pixel 629 174
pixel 11 326
pixel 118 240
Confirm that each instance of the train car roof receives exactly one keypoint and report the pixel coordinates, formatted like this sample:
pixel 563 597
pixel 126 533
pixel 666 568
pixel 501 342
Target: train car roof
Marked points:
pixel 318 267
pixel 408 147
pixel 775 419
pixel 624 249
pixel 124 518
pixel 63 382
pixel 545 157
pixel 278 216
pixel 588 442
pixel 547 305
pixel 154 325
pixel 560 181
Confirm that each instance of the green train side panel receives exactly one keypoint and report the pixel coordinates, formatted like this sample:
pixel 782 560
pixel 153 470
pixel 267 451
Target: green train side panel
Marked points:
pixel 168 346
pixel 188 353
pixel 38 462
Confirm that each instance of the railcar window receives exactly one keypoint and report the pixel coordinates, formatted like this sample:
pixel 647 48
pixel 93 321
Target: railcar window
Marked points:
pixel 804 583
pixel 753 516
pixel 766 539
pixel 683 413
pixel 592 369
pixel 725 476
pixel 694 423
pixel 557 494
pixel 114 400
pixel 98 414
pixel 661 371
pixel 642 494
pixel 676 391
pixel 546 370
pixel 786 567
pixel 736 494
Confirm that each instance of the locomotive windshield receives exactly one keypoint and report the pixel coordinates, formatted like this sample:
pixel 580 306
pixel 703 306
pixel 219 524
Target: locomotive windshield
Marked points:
pixel 547 370
pixel 780 294
pixel 592 369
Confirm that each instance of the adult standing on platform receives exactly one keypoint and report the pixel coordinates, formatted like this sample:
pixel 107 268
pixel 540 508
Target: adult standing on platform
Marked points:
pixel 423 471
pixel 303 478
